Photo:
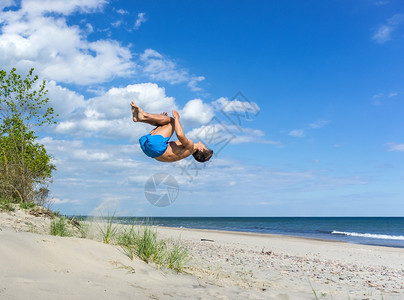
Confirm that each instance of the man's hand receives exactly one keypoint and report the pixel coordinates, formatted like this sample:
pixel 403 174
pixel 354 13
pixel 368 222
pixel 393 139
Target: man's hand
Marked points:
pixel 176 115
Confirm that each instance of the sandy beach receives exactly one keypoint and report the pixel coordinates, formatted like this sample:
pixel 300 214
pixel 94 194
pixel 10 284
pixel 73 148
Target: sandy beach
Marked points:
pixel 222 265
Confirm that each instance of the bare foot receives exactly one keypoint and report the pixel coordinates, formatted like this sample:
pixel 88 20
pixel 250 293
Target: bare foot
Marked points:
pixel 138 113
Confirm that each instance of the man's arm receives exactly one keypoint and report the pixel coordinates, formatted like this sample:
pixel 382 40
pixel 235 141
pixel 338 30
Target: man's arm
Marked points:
pixel 180 132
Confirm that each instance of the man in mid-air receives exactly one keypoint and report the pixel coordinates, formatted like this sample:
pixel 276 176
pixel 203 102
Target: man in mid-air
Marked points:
pixel 156 144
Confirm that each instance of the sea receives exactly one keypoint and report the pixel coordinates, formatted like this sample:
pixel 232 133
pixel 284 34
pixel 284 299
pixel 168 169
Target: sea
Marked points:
pixel 379 231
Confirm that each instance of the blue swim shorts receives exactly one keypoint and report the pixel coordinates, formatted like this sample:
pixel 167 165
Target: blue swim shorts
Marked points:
pixel 153 145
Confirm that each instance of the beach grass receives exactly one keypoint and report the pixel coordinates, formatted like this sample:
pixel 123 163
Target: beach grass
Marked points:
pixel 108 228
pixel 143 242
pixel 139 241
pixel 59 227
pixel 126 240
pixel 177 256
pixel 80 225
pixel 148 247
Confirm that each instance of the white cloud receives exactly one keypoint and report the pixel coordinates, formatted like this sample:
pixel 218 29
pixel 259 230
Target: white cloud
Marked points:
pixel 115 103
pixel 300 133
pixel 236 105
pixel 397 19
pixel 267 179
pixel 381 3
pixel 6 3
pixel 122 11
pixel 79 158
pixel 381 98
pixel 213 135
pixel 63 100
pixel 62 201
pixel 218 135
pixel 394 147
pixel 249 135
pixel 116 24
pixel 89 28
pixel 90 156
pixel 319 124
pixel 38 7
pixel 158 67
pixel 274 202
pixel 197 111
pixel 29 38
pixel 384 32
pixel 192 84
pixel 109 60
pixel 297 133
pixel 141 18
pixel 106 208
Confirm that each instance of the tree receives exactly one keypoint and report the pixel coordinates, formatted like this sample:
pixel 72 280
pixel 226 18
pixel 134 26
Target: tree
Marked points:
pixel 25 166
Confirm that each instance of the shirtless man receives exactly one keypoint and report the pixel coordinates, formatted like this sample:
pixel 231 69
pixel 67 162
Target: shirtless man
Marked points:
pixel 156 144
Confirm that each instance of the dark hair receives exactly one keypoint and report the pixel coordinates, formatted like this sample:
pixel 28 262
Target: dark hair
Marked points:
pixel 203 156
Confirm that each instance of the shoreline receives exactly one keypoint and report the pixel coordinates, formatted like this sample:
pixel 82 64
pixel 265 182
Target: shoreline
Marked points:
pixel 247 233
pixel 279 235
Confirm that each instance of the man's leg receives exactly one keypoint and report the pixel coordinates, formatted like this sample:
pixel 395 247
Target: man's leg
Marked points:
pixel 153 119
pixel 164 130
pixel 164 123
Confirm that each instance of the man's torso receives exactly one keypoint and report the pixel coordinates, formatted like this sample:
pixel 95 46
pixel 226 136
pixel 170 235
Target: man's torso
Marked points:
pixel 175 151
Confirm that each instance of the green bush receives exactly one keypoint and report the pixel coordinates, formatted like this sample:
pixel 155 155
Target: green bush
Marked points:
pixel 6 205
pixel 27 205
pixel 25 166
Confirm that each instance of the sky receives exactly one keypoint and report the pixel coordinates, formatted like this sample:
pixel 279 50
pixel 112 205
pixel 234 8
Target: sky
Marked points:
pixel 301 101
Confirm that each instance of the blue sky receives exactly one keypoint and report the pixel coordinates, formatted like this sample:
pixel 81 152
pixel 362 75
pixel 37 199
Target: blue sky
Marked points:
pixel 319 94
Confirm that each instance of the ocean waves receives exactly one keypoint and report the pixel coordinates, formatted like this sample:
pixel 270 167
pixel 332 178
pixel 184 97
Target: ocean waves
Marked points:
pixel 370 235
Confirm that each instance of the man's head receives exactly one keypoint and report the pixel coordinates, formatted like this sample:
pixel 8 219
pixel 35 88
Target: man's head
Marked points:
pixel 202 153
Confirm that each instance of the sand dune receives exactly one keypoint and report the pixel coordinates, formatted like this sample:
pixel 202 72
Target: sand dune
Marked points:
pixel 46 267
